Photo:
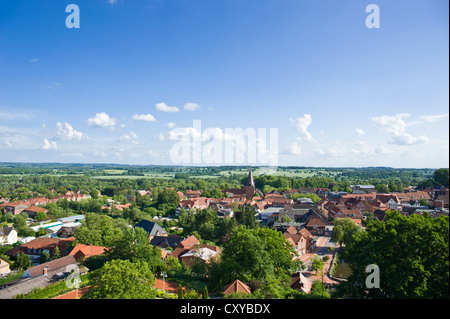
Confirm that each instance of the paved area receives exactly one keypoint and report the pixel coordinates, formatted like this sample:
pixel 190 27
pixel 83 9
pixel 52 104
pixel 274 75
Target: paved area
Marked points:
pixel 321 249
pixel 27 285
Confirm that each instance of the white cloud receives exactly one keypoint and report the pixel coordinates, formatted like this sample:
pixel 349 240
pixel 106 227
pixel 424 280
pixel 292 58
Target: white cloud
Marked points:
pixel 294 148
pixel 131 137
pixel 100 153
pixel 396 126
pixel 153 154
pixel 171 125
pixel 49 145
pixel 301 124
pixel 161 136
pixel 72 154
pixel 165 108
pixel 408 139
pixel 66 132
pixel 102 120
pixel 34 60
pixel 17 114
pixel 191 106
pixel 433 118
pixel 144 117
pixel 359 132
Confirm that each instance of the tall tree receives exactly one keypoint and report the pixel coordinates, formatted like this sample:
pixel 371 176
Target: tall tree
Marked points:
pixel 411 253
pixel 122 279
pixel 441 177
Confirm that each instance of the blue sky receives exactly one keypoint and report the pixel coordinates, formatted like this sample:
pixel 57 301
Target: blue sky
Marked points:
pixel 339 93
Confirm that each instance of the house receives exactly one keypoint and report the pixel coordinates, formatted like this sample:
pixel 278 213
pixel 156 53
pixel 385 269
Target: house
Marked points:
pixel 302 240
pixel 43 269
pixel 354 215
pixel 315 224
pixel 300 283
pixel 298 215
pixel 390 200
pixel 192 194
pixel 8 235
pixel 4 267
pixel 202 253
pixel 81 251
pixel 33 210
pixel 152 228
pixel 166 241
pixel 412 197
pixel 36 247
pixel 184 246
pixel 361 189
pixel 14 208
pixel 66 231
pixel 442 200
pixel 237 286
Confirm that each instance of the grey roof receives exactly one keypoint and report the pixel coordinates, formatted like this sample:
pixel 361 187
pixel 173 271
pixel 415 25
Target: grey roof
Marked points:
pixel 166 241
pixel 150 227
pixel 71 218
pixel 51 265
pixel 4 231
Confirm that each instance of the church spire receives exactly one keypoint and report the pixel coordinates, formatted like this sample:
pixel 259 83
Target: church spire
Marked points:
pixel 250 179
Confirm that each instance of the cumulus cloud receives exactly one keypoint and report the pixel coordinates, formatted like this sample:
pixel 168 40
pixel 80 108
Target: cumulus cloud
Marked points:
pixel 102 120
pixel 131 137
pixel 165 108
pixel 64 131
pixel 301 124
pixel 171 125
pixel 294 148
pixel 191 106
pixel 359 132
pixel 144 117
pixel 49 145
pixel 396 127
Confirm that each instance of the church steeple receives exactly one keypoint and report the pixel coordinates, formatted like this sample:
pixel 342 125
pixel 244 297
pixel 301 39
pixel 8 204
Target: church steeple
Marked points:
pixel 250 179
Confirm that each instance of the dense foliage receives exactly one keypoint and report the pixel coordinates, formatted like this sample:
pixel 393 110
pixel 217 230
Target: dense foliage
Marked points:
pixel 411 252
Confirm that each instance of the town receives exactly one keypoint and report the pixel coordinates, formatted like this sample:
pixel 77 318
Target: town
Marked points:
pixel 241 240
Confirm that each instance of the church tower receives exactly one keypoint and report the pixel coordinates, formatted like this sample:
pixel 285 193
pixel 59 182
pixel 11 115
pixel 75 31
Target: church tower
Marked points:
pixel 250 185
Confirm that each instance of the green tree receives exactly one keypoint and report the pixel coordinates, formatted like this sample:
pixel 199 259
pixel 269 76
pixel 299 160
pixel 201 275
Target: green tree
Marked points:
pixel 44 257
pixel 41 216
pixel 205 293
pixel 441 176
pixel 180 291
pixel 56 253
pixel 135 246
pixel 345 231
pixel 412 255
pixel 168 196
pixel 122 279
pixel 255 254
pixel 22 262
pixel 100 230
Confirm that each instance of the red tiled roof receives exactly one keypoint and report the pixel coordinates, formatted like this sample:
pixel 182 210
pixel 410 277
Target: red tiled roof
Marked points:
pixel 237 286
pixel 87 250
pixel 35 209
